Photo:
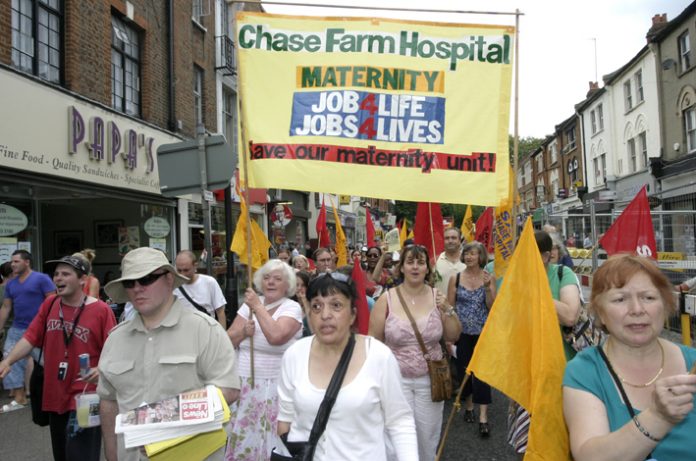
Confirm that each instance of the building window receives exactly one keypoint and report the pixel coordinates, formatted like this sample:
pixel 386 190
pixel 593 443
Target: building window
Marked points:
pixel 554 153
pixel 229 109
pixel 690 128
pixel 198 94
pixel 600 117
pixel 593 121
pixel 570 140
pixel 684 51
pixel 632 155
pixel 603 165
pixel 628 97
pixel 598 177
pixel 643 144
pixel 36 37
pixel 638 79
pixel 125 67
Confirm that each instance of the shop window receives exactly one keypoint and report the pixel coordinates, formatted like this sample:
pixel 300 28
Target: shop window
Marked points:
pixel 37 37
pixel 125 67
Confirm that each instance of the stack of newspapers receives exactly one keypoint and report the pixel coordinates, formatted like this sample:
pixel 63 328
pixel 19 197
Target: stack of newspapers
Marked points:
pixel 188 424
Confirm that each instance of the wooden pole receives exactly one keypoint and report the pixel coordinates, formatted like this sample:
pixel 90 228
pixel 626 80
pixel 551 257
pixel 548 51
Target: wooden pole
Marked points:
pixel 245 193
pixel 455 408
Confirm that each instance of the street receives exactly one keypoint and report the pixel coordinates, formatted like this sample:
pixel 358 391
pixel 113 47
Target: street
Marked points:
pixel 24 441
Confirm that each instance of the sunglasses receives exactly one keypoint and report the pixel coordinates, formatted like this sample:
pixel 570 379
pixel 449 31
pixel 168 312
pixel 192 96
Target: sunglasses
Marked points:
pixel 144 281
pixel 337 276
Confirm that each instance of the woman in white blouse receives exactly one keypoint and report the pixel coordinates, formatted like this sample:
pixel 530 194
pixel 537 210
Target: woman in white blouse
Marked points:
pixel 370 405
pixel 276 324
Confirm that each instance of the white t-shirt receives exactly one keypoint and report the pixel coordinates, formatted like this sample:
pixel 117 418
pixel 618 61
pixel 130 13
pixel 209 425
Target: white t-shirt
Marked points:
pixel 446 269
pixel 372 402
pixel 205 291
pixel 266 357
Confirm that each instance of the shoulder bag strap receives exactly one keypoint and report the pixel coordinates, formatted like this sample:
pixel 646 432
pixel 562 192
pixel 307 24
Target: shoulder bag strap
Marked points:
pixel 617 381
pixel 327 403
pixel 413 324
pixel 43 338
pixel 560 272
pixel 193 303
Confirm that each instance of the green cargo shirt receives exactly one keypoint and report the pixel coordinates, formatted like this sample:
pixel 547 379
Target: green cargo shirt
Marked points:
pixel 187 351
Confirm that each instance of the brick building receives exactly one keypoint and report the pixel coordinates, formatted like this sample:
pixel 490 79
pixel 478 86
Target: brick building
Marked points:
pixel 93 89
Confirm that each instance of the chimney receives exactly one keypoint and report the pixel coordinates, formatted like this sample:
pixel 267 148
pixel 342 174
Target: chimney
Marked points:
pixel 659 21
pixel 594 87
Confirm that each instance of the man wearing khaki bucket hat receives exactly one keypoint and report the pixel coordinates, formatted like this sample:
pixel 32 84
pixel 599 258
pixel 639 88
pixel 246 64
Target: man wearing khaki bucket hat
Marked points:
pixel 163 351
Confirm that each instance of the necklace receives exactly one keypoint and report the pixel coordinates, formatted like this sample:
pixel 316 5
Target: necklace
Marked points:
pixel 654 378
pixel 413 298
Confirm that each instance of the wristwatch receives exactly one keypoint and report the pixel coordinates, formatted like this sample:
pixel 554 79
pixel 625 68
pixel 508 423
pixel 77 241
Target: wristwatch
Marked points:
pixel 450 311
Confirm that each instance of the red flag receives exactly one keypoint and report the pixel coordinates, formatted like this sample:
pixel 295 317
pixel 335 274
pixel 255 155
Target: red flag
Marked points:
pixel 632 232
pixel 363 311
pixel 429 229
pixel 484 229
pixel 322 231
pixel 369 228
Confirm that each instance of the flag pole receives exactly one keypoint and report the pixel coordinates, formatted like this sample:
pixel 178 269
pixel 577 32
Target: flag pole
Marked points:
pixel 432 231
pixel 245 192
pixel 455 408
pixel 516 140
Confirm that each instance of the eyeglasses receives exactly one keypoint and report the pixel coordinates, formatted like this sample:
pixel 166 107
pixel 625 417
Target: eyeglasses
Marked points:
pixel 144 281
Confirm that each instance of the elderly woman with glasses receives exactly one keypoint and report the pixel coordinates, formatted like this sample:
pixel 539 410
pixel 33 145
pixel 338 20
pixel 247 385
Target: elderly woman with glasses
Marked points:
pixel 275 323
pixel 435 320
pixel 370 405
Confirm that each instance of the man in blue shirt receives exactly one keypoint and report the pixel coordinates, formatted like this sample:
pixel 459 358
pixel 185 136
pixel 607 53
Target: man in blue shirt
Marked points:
pixel 23 294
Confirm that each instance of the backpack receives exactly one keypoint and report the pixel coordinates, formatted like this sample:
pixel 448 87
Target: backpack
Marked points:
pixel 585 332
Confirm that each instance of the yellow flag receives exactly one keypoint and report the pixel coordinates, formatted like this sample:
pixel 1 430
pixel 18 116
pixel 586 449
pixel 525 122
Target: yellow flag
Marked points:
pixel 403 233
pixel 502 238
pixel 468 225
pixel 259 242
pixel 410 234
pixel 341 250
pixel 520 350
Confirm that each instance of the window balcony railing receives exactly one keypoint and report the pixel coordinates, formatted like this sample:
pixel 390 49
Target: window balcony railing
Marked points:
pixel 225 60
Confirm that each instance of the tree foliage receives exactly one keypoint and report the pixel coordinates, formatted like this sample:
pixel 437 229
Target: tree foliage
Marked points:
pixel 527 145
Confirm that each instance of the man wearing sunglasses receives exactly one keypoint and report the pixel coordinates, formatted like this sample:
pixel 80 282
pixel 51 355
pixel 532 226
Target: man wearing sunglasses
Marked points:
pixel 164 350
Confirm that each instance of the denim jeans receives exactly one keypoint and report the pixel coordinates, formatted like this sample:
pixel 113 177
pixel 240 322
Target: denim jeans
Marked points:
pixel 15 379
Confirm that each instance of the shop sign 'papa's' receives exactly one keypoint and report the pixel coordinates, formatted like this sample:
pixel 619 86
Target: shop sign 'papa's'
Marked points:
pixel 104 140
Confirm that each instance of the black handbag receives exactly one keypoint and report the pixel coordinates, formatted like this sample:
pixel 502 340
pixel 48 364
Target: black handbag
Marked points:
pixel 36 382
pixel 304 451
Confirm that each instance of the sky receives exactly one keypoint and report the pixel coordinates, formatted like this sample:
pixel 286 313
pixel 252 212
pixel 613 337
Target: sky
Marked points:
pixel 557 43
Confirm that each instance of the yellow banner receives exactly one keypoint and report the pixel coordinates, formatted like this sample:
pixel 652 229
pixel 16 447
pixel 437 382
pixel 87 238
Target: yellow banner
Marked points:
pixel 327 100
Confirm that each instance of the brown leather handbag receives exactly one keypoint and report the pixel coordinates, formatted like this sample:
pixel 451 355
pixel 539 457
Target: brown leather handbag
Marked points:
pixel 439 370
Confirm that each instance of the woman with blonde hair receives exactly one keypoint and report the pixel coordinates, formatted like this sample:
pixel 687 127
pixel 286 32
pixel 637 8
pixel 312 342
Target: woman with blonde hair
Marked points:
pixel 92 286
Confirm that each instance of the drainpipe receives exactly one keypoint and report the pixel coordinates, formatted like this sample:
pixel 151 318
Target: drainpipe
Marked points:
pixel 170 53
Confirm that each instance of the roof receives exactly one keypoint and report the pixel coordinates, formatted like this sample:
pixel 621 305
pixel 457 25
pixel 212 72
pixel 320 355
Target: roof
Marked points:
pixel 662 33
